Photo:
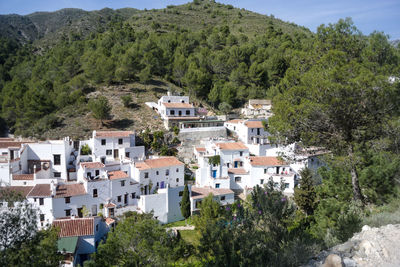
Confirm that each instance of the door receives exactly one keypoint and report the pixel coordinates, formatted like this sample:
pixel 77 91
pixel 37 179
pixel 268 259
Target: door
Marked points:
pixel 80 215
pixel 180 113
pixel 126 199
pixel 236 164
pixel 162 184
pixel 111 212
pixel 116 154
pixel 214 173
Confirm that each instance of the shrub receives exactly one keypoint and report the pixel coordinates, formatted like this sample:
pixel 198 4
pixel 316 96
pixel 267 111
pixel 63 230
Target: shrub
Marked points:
pixel 126 100
pixel 85 150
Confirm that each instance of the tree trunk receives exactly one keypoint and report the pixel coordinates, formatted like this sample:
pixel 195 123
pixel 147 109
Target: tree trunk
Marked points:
pixel 354 177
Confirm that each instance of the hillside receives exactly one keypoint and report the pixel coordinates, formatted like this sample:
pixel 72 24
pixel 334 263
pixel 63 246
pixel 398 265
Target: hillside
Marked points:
pixel 48 27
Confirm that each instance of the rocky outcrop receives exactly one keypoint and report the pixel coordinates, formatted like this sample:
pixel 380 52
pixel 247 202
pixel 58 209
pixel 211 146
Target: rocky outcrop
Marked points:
pixel 370 247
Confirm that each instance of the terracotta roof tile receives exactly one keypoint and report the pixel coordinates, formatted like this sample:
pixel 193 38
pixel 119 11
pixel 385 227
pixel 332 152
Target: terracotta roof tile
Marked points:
pixel 237 171
pixel 177 105
pixel 113 133
pixel 200 149
pixel 92 165
pixel 158 163
pixel 75 227
pixel 40 190
pixel 7 144
pixel 266 161
pixel 69 190
pixel 202 192
pixel 254 124
pixel 109 220
pixel 231 146
pixel 117 175
pixel 183 118
pixel 22 190
pixel 19 177
pixel 110 205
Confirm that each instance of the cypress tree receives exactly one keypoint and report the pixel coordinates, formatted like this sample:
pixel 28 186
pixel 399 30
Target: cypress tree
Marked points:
pixel 185 203
pixel 305 195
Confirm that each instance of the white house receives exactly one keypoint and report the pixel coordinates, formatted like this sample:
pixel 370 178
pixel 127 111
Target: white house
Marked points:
pixel 252 133
pixel 165 204
pixel 174 109
pixel 223 195
pixel 258 108
pixel 156 173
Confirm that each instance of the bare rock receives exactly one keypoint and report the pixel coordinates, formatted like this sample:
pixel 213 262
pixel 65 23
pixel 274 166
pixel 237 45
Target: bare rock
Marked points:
pixel 333 260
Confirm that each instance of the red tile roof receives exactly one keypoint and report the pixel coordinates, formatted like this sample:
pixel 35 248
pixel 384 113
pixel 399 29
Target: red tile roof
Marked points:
pixel 18 177
pixel 254 124
pixel 92 165
pixel 22 190
pixel 75 227
pixel 183 118
pixel 177 105
pixel 237 171
pixel 117 175
pixel 158 163
pixel 266 161
pixel 40 190
pixel 109 220
pixel 110 205
pixel 201 149
pixel 113 133
pixel 202 192
pixel 232 146
pixel 69 190
pixel 7 144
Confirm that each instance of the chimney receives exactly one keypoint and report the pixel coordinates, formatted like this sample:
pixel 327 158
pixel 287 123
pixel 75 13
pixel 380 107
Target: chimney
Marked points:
pixel 169 93
pixel 53 187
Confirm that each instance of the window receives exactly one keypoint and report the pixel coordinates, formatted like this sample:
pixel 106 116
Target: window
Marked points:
pixel 97 227
pixel 217 185
pixel 241 153
pixel 57 159
pixel 108 152
pixel 68 212
pixel 146 175
pixel 276 185
pixel 286 185
pixel 172 112
pixel 97 172
pixel 187 112
pixel 223 198
pixel 198 203
pixel 89 174
pixel 157 184
pixel 238 179
pixel 119 198
pixel 265 171
pixel 120 141
pixel 166 172
pixel 182 101
pixel 127 154
pixel 41 217
pixel 94 192
pixel 34 199
pixel 57 174
pixel 41 201
pixel 177 180
pixel 103 142
pixel 262 181
pixel 177 170
pixel 157 172
pixel 180 193
pixel 123 183
pixel 67 200
pixel 133 195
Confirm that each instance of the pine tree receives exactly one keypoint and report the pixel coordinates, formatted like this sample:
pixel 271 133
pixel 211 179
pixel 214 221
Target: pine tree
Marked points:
pixel 305 195
pixel 185 203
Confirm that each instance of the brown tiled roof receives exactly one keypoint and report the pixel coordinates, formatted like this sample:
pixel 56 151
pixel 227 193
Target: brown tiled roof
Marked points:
pixel 113 133
pixel 7 144
pixel 202 192
pixel 177 105
pixel 254 124
pixel 23 190
pixel 40 190
pixel 117 175
pixel 158 163
pixel 92 165
pixel 266 161
pixel 232 146
pixel 69 190
pixel 6 139
pixel 109 220
pixel 75 227
pixel 237 171
pixel 183 118
pixel 110 205
pixel 201 149
pixel 235 121
pixel 18 177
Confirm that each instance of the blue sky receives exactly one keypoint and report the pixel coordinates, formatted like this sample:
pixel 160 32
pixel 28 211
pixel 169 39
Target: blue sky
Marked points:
pixel 368 15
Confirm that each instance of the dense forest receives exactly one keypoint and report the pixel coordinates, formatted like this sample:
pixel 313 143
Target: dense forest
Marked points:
pixel 335 88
